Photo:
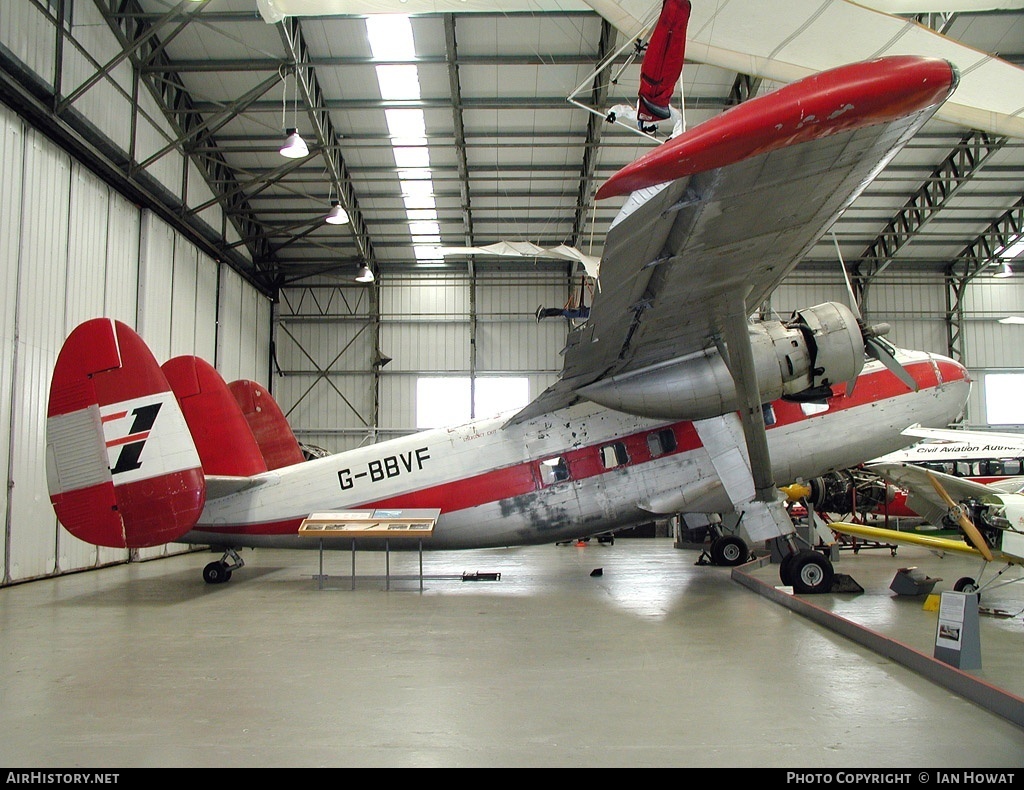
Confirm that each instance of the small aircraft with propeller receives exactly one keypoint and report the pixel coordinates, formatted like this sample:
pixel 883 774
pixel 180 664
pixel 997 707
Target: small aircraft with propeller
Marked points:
pixel 989 516
pixel 671 399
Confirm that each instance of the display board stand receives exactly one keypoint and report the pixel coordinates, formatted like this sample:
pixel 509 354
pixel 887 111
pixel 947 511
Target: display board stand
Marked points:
pixel 364 524
pixel 957 633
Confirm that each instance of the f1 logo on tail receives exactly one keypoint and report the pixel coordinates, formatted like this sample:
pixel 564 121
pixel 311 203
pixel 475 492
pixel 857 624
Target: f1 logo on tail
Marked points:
pixel 147 437
pixel 132 444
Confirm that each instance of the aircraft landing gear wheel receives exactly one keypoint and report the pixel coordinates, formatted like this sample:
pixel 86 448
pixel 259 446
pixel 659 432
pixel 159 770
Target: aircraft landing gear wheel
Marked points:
pixel 811 572
pixel 729 550
pixel 785 572
pixel 965 584
pixel 216 573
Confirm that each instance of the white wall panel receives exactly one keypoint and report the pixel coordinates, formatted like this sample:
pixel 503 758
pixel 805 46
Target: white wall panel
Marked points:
pixel 508 335
pixel 106 102
pixel 42 263
pixel 183 299
pixel 426 295
pixel 242 348
pixel 398 402
pixel 87 248
pixel 12 153
pixel 151 141
pixel 521 346
pixel 199 193
pixel 156 281
pixel 261 340
pixel 207 287
pixel 329 382
pixel 22 27
pixel 426 345
pixel 121 297
pixel 229 312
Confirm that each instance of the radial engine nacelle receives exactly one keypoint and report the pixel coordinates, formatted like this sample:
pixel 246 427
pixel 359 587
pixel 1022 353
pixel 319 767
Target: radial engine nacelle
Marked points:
pixel 799 359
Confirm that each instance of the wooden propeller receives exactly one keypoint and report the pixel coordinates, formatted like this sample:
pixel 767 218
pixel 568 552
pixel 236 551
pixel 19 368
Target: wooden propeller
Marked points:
pixel 968 527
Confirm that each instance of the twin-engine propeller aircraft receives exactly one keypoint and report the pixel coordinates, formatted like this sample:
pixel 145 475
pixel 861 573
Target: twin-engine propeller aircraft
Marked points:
pixel 990 517
pixel 671 400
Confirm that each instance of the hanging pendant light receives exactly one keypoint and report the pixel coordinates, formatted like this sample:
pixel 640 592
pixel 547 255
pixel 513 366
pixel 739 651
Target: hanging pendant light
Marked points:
pixel 364 275
pixel 1006 271
pixel 337 215
pixel 294 146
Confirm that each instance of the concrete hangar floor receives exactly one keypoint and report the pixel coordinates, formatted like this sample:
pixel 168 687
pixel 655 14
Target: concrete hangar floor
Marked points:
pixel 525 657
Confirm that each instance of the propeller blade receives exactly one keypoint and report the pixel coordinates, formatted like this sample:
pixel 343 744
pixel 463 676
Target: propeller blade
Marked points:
pixel 846 276
pixel 880 352
pixel 965 523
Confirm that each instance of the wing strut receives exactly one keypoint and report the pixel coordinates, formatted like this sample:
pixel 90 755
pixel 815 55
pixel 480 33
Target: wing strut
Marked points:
pixel 765 517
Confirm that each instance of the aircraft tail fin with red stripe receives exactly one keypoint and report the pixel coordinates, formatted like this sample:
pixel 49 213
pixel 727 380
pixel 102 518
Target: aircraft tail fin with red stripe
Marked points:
pixel 121 466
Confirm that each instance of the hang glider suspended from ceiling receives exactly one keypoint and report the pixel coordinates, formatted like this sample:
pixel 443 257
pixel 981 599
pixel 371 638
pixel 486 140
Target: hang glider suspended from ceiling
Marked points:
pixel 779 40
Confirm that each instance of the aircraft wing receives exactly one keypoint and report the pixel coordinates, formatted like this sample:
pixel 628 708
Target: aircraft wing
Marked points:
pixel 717 217
pixel 922 497
pixel 954 545
pixel 993 442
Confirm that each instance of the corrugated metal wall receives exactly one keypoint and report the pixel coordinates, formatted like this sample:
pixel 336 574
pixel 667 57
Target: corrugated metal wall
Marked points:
pixel 326 340
pixel 74 249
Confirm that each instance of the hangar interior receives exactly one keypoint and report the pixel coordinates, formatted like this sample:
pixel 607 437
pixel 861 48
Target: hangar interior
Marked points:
pixel 143 180
pixel 145 183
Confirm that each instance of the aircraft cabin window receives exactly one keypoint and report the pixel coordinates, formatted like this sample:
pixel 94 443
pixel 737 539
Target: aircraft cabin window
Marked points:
pixel 553 470
pixel 613 455
pixel 661 442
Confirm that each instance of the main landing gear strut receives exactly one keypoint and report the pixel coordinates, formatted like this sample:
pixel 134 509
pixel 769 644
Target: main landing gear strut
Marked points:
pixel 220 571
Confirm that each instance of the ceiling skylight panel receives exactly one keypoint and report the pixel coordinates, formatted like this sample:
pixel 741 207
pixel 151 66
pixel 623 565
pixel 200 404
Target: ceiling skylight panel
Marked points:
pixel 416 158
pixel 398 82
pixel 390 37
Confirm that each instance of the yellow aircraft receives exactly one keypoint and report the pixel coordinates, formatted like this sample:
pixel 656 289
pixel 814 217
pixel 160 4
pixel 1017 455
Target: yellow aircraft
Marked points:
pixel 989 516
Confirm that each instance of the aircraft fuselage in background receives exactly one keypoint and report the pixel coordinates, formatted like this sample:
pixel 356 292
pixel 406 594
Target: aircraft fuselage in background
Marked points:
pixel 605 470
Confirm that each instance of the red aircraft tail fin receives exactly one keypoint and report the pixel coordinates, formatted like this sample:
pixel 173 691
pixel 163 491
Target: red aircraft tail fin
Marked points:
pixel 121 467
pixel 268 423
pixel 222 435
pixel 663 62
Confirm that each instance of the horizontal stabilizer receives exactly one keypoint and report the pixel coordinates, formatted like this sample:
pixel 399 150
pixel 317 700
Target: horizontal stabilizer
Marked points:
pixel 220 431
pixel 269 426
pixel 121 468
